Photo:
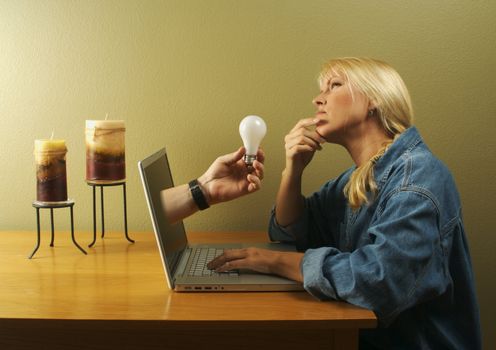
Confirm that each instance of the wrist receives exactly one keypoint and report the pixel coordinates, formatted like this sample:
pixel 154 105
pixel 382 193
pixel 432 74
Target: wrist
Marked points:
pixel 287 264
pixel 275 265
pixel 204 181
pixel 292 175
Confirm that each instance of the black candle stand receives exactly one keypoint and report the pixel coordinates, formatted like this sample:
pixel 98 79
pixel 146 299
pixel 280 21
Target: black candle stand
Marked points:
pixel 102 184
pixel 53 205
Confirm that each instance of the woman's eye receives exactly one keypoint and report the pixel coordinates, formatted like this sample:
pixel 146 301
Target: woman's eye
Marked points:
pixel 335 85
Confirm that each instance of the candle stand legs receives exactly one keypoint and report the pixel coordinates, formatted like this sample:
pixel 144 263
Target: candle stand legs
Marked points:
pixel 51 206
pixel 38 225
pixel 102 185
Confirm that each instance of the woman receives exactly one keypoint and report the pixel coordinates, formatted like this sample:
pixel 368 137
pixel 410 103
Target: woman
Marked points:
pixel 388 233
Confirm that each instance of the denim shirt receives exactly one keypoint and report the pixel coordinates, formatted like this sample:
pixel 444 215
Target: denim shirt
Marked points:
pixel 404 256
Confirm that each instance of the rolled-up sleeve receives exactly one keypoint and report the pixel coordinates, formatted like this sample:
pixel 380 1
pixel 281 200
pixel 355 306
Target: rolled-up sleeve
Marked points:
pixel 294 233
pixel 314 281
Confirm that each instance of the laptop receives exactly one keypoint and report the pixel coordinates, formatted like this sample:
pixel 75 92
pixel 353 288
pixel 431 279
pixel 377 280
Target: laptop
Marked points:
pixel 180 259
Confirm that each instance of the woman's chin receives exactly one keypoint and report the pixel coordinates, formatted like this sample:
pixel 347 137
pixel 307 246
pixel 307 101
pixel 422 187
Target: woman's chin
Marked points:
pixel 320 132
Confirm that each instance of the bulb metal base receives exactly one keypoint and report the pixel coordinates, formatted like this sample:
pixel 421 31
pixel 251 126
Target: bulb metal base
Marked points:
pixel 249 158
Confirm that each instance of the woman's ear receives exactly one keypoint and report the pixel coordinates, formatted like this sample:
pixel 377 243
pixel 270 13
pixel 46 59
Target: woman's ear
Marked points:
pixel 372 105
pixel 372 108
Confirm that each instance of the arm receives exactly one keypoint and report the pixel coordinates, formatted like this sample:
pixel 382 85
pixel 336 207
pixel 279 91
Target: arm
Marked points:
pixel 301 144
pixel 178 203
pixel 227 178
pixel 399 265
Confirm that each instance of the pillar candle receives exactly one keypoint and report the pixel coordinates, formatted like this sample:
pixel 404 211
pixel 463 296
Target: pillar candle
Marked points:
pixel 105 150
pixel 51 176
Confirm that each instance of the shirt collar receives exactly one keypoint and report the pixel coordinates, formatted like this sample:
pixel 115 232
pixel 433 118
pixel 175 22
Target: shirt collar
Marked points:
pixel 408 140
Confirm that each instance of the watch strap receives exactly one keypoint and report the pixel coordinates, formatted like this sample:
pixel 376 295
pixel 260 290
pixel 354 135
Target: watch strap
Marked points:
pixel 197 194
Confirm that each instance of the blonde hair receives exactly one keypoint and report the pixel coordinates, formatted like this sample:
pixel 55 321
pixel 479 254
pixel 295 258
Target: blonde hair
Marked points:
pixel 382 85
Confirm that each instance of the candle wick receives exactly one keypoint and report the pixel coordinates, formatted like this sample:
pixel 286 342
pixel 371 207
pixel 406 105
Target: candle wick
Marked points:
pixel 51 137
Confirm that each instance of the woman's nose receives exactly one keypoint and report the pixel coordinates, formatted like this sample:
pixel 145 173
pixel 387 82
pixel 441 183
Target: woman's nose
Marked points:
pixel 318 100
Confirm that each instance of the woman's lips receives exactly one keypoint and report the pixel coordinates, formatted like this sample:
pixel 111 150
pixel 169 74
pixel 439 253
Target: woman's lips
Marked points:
pixel 320 116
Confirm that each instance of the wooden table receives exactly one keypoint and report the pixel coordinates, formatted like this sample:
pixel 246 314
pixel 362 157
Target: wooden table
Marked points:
pixel 116 297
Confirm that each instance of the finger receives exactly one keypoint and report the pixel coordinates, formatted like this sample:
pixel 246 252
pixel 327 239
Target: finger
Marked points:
pixel 233 254
pixel 232 265
pixel 232 158
pixel 216 262
pixel 301 149
pixel 318 138
pixel 304 123
pixel 312 142
pixel 259 169
pixel 299 133
pixel 229 259
pixel 313 134
pixel 229 254
pixel 302 140
pixel 302 128
pixel 260 155
pixel 254 183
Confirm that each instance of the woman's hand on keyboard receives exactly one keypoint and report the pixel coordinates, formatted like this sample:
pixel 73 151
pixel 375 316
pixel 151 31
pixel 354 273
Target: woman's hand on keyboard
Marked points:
pixel 286 264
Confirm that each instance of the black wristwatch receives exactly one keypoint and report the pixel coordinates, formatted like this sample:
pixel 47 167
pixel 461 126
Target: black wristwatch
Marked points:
pixel 198 195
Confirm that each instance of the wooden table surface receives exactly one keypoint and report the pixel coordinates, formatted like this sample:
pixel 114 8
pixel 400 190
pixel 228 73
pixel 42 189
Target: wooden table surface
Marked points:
pixel 120 281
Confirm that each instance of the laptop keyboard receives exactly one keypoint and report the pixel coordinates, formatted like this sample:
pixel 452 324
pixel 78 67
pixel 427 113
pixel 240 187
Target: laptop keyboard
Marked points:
pixel 201 257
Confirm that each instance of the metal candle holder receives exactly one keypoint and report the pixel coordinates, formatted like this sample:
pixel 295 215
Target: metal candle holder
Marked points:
pixel 53 205
pixel 103 184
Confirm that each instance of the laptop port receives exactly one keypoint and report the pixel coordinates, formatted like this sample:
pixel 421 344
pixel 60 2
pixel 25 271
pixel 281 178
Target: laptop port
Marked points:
pixel 198 288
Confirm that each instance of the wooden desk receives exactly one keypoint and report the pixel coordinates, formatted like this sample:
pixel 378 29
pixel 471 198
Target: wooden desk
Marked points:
pixel 116 298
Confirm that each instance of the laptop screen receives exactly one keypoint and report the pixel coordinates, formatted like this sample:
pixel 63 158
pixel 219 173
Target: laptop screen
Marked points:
pixel 157 177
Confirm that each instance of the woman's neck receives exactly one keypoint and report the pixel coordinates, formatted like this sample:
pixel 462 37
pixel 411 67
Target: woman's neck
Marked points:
pixel 362 147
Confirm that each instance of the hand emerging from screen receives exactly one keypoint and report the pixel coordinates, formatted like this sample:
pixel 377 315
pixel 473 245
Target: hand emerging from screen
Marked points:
pixel 228 177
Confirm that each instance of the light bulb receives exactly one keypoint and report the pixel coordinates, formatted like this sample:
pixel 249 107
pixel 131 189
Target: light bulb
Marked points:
pixel 252 130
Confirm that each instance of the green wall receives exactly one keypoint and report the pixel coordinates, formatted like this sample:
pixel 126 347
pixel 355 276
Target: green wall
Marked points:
pixel 184 73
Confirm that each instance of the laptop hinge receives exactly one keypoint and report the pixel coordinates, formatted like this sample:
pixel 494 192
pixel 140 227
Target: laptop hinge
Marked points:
pixel 181 265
